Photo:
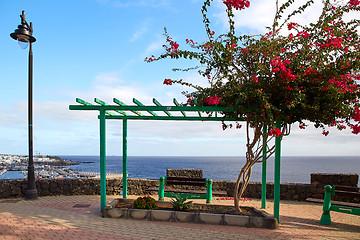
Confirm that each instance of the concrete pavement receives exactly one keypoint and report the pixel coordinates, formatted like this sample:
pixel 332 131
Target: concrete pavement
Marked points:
pixel 79 217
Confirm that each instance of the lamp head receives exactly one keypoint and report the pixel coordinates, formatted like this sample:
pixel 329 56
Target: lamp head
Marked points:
pixel 23 34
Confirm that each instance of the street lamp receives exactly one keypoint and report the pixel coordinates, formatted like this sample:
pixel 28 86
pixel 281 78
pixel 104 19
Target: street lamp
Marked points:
pixel 23 34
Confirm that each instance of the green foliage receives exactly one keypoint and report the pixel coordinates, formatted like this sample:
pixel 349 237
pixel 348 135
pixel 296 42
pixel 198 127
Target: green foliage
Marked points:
pixel 145 203
pixel 180 204
pixel 294 72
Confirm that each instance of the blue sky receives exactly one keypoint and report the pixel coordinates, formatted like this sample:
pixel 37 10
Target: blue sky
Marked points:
pixel 96 48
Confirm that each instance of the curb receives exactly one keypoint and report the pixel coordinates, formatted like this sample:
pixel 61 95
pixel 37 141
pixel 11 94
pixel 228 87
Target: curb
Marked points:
pixel 263 220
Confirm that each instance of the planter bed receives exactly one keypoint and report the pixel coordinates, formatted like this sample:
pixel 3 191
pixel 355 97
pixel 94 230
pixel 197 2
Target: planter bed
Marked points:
pixel 201 213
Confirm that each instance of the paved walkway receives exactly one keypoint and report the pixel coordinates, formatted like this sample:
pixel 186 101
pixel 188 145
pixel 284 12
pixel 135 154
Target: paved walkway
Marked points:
pixel 79 217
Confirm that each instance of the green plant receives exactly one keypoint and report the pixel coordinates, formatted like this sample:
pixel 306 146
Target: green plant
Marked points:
pixel 180 204
pixel 145 203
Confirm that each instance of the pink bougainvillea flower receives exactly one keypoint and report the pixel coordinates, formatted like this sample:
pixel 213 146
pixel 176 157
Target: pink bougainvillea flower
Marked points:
pixel 150 59
pixel 303 34
pixel 275 132
pixel 255 79
pixel 291 25
pixel 212 100
pixel 168 82
pixel 275 61
pixel 355 128
pixel 356 115
pixel 336 42
pixel 237 4
pixel 354 2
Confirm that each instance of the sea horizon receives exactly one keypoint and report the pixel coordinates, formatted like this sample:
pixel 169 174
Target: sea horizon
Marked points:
pixel 294 169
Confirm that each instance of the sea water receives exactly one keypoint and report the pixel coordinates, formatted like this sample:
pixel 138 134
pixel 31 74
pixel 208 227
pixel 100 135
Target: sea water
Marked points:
pixel 293 169
pixel 12 175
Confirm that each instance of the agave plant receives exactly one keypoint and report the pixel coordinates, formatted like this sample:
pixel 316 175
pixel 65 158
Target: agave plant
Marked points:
pixel 180 204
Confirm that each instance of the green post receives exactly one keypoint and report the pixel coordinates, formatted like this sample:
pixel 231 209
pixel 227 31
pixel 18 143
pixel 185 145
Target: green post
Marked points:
pixel 209 191
pixel 125 174
pixel 325 217
pixel 102 160
pixel 161 188
pixel 277 174
pixel 263 183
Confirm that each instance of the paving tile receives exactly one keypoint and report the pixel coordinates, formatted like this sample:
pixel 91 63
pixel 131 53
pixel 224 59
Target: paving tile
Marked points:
pixel 54 217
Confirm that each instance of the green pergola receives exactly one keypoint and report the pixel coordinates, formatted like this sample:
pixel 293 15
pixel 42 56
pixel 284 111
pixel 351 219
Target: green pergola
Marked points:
pixel 177 112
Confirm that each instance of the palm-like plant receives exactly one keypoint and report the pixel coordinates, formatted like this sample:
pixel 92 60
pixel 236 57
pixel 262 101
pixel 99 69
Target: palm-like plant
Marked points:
pixel 180 204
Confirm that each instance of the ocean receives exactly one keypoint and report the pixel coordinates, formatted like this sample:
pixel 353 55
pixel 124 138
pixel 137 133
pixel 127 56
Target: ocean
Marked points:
pixel 293 169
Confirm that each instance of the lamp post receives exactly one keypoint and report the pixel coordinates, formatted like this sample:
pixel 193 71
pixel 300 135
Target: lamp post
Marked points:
pixel 23 34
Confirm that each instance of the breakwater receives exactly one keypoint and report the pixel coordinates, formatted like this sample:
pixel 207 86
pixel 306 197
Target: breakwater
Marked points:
pixel 91 186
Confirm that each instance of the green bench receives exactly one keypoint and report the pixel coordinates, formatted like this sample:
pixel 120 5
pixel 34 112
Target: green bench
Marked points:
pixel 352 192
pixel 189 193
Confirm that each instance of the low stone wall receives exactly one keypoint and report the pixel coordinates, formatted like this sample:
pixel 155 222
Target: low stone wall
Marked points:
pixel 192 173
pixel 48 187
pixel 334 179
pixel 91 186
pixel 320 180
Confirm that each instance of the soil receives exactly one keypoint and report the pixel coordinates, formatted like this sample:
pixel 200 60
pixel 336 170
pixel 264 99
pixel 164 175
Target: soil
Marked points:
pixel 204 208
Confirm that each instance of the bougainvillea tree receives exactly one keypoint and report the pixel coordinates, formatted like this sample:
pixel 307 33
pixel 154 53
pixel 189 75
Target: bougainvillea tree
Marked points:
pixel 294 73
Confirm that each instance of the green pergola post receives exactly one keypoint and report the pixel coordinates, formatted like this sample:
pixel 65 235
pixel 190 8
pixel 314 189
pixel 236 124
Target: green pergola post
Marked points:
pixel 125 187
pixel 277 173
pixel 263 183
pixel 102 160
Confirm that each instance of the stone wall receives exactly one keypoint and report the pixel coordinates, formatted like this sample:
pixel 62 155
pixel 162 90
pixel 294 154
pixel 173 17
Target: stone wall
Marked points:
pixel 334 179
pixel 46 187
pixel 321 179
pixel 193 173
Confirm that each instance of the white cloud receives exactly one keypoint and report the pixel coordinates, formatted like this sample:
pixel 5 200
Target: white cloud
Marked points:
pixel 141 30
pixel 154 47
pixel 107 79
pixel 106 86
pixel 261 14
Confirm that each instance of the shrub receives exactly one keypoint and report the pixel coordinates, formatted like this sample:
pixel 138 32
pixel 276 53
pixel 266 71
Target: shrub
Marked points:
pixel 145 203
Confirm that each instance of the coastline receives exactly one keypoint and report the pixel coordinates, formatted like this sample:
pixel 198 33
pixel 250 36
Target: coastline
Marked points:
pixel 293 169
pixel 15 167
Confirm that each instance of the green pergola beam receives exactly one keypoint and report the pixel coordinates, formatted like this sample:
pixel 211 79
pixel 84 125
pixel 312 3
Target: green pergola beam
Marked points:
pixel 137 102
pixel 105 104
pixel 123 104
pixel 177 104
pixel 85 103
pixel 79 100
pixel 153 108
pixel 178 118
pixel 158 104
